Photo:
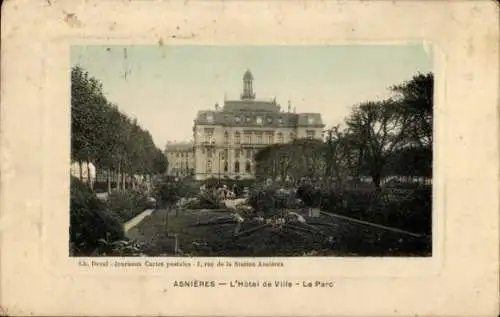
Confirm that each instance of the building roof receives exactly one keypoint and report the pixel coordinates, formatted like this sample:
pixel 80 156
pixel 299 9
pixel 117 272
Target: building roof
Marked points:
pixel 255 113
pixel 251 105
pixel 258 119
pixel 178 146
pixel 309 119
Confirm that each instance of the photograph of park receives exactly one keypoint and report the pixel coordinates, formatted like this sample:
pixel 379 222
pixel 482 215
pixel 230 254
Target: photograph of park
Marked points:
pixel 251 151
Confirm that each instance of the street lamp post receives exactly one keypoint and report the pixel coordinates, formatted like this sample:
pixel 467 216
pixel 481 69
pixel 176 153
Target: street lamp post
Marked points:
pixel 220 155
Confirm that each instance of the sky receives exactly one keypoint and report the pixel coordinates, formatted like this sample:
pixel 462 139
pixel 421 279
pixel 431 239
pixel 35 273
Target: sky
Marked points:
pixel 165 86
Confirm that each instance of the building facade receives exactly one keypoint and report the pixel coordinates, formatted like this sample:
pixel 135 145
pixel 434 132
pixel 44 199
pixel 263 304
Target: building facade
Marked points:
pixel 180 158
pixel 227 137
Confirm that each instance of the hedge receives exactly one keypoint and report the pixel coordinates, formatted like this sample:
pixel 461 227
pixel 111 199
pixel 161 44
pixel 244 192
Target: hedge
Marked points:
pixel 90 220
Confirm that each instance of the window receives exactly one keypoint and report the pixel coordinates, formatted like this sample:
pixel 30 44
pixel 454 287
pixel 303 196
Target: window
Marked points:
pixel 249 153
pixel 259 139
pixel 248 139
pixel 237 153
pixel 236 167
pixel 259 120
pixel 226 154
pixel 269 120
pixel 209 137
pixel 292 136
pixel 237 138
pixel 280 120
pixel 209 152
pixel 248 118
pixel 177 155
pixel 237 119
pixel 226 138
pixel 280 137
pixel 248 168
pixel 225 167
pixel 209 166
pixel 283 161
pixel 311 134
pixel 270 138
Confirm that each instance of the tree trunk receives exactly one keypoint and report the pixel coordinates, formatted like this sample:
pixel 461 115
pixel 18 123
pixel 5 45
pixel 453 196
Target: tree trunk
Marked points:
pixel 89 177
pixel 81 170
pixel 109 181
pixel 118 175
pixel 376 179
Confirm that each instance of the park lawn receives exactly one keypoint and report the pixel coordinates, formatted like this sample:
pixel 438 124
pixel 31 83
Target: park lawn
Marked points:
pixel 350 239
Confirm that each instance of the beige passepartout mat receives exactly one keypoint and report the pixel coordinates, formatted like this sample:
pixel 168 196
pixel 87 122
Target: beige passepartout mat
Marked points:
pixel 207 86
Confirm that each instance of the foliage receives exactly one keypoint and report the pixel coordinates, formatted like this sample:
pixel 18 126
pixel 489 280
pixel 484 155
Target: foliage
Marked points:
pixel 388 137
pixel 119 248
pixel 235 185
pixel 300 158
pixel 90 220
pixel 310 195
pixel 417 97
pixel 408 208
pixel 127 204
pixel 167 193
pixel 209 199
pixel 104 136
pixel 168 190
pixel 269 201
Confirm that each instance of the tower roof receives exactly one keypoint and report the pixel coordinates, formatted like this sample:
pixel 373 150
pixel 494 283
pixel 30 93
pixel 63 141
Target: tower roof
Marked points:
pixel 248 75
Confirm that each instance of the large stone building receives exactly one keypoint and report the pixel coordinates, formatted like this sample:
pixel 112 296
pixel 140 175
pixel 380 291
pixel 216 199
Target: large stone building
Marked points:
pixel 180 158
pixel 227 137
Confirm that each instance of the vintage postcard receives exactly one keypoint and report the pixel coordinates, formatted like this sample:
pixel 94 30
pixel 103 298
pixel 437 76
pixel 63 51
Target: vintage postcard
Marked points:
pixel 196 158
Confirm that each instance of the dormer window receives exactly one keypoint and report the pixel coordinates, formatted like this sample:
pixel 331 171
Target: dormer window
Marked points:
pixel 280 120
pixel 269 120
pixel 237 119
pixel 210 117
pixel 259 120
pixel 248 119
pixel 310 120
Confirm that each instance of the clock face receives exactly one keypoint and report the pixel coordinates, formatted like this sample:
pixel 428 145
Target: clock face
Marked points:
pixel 259 120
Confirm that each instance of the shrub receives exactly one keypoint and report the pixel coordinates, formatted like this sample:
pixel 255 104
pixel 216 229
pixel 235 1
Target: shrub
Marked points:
pixel 127 204
pixel 167 192
pixel 90 220
pixel 411 211
pixel 407 208
pixel 209 199
pixel 268 201
pixel 310 195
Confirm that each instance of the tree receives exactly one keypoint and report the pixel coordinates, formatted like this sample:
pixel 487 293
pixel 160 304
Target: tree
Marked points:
pixel 416 96
pixel 104 136
pixel 394 131
pixel 379 128
pixel 342 156
pixel 300 158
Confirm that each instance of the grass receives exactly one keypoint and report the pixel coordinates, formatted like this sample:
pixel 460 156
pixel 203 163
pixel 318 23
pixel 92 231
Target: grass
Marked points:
pixel 198 239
